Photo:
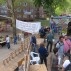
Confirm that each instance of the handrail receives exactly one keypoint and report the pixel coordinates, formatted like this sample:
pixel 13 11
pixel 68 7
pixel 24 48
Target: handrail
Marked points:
pixel 25 44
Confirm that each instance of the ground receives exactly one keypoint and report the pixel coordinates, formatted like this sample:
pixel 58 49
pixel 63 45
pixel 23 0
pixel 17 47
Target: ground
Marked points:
pixel 4 52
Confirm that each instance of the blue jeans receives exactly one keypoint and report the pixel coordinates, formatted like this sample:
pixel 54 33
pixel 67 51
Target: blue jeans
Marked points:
pixel 34 48
pixel 15 41
pixel 49 43
pixel 8 45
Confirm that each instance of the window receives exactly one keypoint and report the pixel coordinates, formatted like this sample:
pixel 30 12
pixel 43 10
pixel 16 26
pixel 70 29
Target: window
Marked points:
pixel 32 16
pixel 4 11
pixel 24 4
pixel 19 3
pixel 24 10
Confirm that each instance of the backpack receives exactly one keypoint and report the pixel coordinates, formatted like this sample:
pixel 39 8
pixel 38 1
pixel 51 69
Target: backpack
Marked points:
pixel 56 44
pixel 68 68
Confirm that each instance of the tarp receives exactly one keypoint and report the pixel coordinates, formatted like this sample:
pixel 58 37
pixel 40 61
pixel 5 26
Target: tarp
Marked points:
pixel 30 27
pixel 61 19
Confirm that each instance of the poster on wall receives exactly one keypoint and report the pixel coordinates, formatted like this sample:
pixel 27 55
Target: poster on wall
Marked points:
pixel 30 27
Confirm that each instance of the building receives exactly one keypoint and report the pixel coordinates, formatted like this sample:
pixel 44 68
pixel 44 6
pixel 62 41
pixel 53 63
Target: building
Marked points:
pixel 28 12
pixel 3 9
pixel 24 11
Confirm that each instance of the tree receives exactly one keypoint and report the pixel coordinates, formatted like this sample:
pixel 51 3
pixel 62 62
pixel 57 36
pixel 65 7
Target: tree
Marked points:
pixel 2 1
pixel 10 4
pixel 50 6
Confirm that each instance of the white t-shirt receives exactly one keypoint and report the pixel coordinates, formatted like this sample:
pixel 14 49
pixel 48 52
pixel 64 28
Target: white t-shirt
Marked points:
pixel 7 39
pixel 22 39
pixel 66 63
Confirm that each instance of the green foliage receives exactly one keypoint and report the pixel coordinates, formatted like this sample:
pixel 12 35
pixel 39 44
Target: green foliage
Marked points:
pixel 2 1
pixel 53 7
pixel 20 2
pixel 43 22
pixel 38 3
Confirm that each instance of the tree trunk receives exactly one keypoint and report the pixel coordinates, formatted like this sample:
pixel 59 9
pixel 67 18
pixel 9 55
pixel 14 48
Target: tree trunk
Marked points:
pixel 10 4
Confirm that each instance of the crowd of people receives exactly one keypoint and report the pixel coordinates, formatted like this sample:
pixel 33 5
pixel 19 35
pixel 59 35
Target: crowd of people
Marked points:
pixel 60 51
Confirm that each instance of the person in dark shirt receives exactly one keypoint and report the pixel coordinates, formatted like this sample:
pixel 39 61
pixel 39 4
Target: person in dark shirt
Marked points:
pixel 50 38
pixel 42 32
pixel 33 42
pixel 15 39
pixel 43 54
pixel 54 60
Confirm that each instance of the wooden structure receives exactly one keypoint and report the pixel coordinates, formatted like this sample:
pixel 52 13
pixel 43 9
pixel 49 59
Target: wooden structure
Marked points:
pixel 20 59
pixel 40 67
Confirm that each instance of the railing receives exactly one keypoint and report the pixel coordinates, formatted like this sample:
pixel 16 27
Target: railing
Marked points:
pixel 25 47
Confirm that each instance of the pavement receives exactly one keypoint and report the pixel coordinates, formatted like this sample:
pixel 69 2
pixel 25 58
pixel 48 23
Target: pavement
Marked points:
pixel 5 52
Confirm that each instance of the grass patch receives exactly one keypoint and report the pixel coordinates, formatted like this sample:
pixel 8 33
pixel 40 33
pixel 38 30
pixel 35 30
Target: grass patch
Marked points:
pixel 44 22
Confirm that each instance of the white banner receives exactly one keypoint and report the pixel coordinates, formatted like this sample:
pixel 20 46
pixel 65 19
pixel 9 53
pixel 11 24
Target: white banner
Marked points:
pixel 30 27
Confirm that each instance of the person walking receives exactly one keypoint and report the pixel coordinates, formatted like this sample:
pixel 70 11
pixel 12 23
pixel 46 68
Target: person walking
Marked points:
pixel 33 42
pixel 67 44
pixel 54 60
pixel 50 38
pixel 43 54
pixel 60 47
pixel 8 41
pixel 15 40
